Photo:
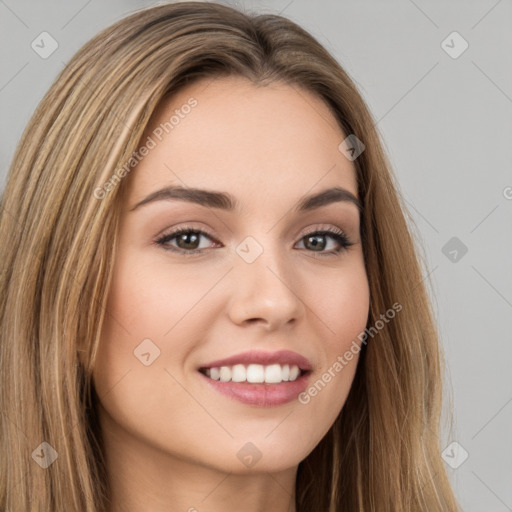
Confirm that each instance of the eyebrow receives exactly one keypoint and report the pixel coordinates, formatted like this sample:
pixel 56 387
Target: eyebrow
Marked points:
pixel 225 201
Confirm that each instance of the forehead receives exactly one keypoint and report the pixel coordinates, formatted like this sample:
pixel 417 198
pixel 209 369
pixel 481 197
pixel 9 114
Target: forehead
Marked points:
pixel 270 141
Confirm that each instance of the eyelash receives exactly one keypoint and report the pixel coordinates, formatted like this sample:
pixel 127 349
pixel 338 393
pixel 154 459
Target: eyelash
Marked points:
pixel 335 233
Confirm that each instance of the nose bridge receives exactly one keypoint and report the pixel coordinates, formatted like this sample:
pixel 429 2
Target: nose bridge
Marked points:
pixel 264 282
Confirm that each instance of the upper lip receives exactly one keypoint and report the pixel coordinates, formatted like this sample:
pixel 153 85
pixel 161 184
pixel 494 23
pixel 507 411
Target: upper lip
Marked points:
pixel 264 358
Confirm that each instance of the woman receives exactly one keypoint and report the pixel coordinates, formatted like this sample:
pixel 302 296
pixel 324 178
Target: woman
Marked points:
pixel 210 296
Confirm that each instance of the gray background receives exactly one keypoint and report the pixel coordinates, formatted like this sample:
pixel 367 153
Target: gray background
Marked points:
pixel 446 123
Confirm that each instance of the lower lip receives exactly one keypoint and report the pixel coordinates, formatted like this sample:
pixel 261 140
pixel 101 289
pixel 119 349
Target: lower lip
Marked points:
pixel 261 395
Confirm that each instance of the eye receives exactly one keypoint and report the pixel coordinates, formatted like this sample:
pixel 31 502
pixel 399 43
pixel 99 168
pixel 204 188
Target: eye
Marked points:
pixel 187 240
pixel 316 240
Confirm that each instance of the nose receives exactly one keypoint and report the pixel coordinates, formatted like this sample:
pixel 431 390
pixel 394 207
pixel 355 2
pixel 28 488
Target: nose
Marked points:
pixel 266 291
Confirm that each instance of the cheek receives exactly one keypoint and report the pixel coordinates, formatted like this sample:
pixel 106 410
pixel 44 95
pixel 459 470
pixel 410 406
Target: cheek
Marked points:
pixel 342 309
pixel 154 314
pixel 150 299
pixel 154 300
pixel 341 303
pixel 145 340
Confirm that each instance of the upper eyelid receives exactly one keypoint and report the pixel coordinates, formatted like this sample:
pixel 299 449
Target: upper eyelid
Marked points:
pixel 303 232
pixel 173 233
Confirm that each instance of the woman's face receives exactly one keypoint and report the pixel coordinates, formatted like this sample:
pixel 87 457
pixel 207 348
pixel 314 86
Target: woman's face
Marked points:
pixel 257 283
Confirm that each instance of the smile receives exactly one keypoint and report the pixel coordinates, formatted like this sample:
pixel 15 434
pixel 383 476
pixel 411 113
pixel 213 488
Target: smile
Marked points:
pixel 254 373
pixel 259 378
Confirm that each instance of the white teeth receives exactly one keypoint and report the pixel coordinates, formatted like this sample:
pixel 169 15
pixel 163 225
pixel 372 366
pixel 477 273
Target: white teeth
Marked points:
pixel 225 373
pixel 294 372
pixel 255 373
pixel 238 373
pixel 273 373
pixel 285 372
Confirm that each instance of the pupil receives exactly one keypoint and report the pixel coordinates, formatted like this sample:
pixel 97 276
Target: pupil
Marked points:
pixel 315 242
pixel 189 238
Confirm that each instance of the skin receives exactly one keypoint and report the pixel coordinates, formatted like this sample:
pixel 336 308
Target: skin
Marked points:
pixel 171 442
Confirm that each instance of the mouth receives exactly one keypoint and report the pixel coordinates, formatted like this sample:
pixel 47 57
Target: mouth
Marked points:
pixel 255 373
pixel 261 379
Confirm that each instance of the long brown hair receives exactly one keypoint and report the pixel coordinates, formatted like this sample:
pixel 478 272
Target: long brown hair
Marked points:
pixel 58 247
